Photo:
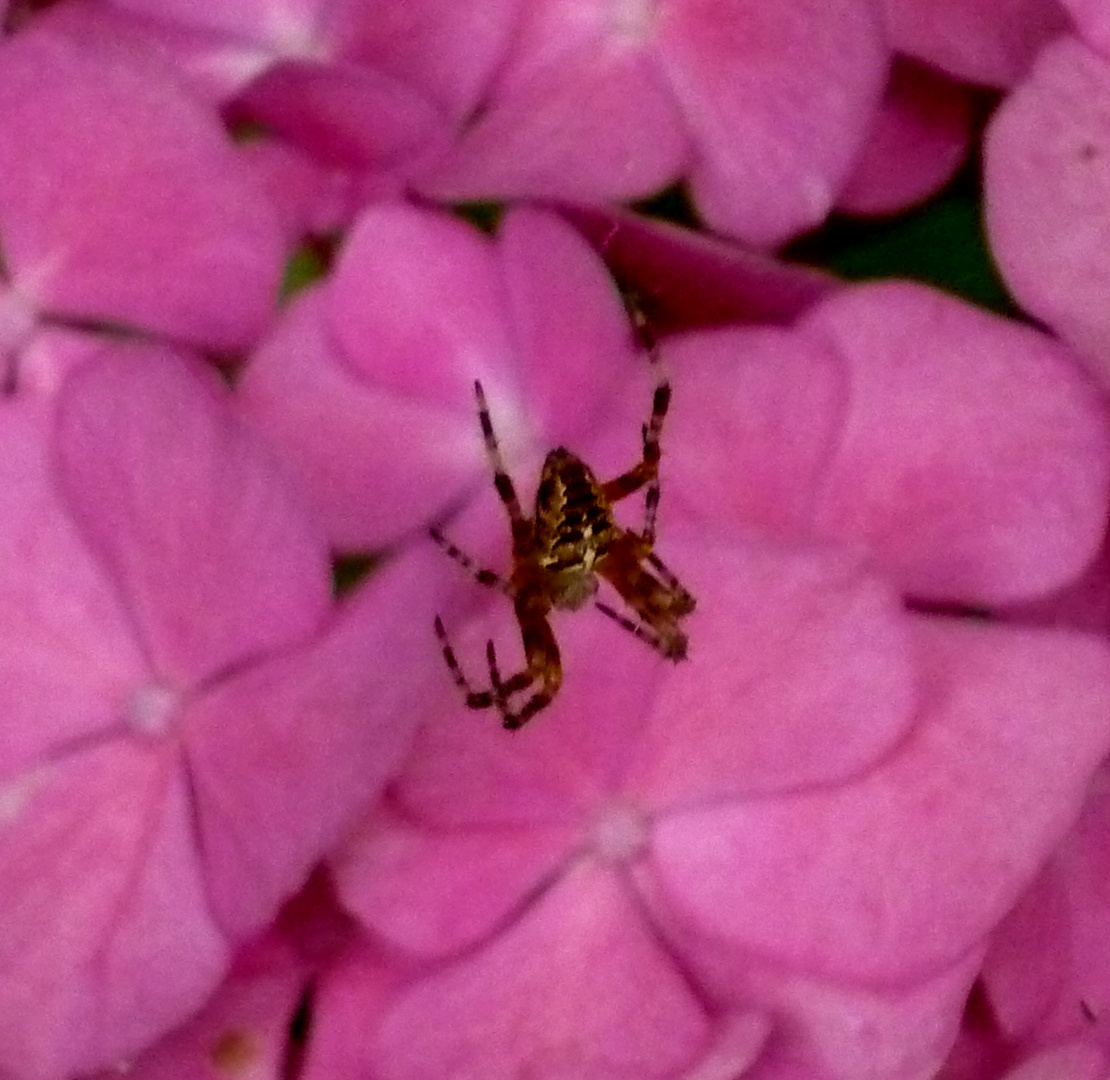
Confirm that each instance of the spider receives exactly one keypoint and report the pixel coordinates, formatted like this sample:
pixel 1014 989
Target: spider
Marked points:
pixel 557 556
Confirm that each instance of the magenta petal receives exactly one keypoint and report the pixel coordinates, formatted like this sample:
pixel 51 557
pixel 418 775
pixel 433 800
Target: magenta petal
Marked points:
pixel 975 457
pixel 687 278
pixel 1048 194
pixel 149 217
pixel 577 987
pixel 346 115
pixel 989 42
pixel 209 548
pixel 901 872
pixel 284 755
pixel 778 98
pixel 919 139
pixel 107 936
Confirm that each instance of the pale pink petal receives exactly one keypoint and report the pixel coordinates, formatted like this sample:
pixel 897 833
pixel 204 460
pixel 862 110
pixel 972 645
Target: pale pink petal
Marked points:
pixel 991 42
pixel 209 548
pixel 576 987
pixel 435 893
pixel 1048 195
pixel 832 1029
pixel 148 218
pixel 919 139
pixel 580 110
pixel 778 99
pixel 107 939
pixel 285 755
pixel 243 1031
pixel 68 658
pixel 900 873
pixel 1092 21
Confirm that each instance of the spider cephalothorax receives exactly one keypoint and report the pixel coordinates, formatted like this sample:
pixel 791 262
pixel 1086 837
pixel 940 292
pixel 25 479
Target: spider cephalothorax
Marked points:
pixel 558 555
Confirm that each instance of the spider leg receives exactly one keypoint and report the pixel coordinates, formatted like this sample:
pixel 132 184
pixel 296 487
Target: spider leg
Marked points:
pixel 637 629
pixel 646 471
pixel 501 478
pixel 683 603
pixel 475 699
pixel 480 575
pixel 543 665
pixel 658 603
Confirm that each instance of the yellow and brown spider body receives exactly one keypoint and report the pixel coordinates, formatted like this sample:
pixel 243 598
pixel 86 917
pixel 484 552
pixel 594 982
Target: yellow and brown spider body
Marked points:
pixel 559 553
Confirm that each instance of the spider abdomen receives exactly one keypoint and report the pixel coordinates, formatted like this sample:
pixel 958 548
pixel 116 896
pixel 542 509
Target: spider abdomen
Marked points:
pixel 573 528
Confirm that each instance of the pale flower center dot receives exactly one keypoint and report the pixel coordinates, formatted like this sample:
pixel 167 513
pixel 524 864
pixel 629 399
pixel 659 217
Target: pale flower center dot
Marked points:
pixel 633 18
pixel 151 708
pixel 620 833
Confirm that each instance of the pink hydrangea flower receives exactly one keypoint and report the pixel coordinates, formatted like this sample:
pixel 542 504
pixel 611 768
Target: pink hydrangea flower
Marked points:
pixel 733 860
pixel 987 42
pixel 188 724
pixel 1047 194
pixel 760 109
pixel 123 202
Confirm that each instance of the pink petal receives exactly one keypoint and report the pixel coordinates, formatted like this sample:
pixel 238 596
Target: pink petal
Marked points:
pixel 577 987
pixel 832 1029
pixel 346 115
pixel 1092 21
pixel 383 462
pixel 68 657
pixel 971 456
pixel 212 553
pixel 686 279
pixel 243 1031
pixel 901 872
pixel 448 49
pixel 580 111
pixel 991 42
pixel 107 936
pixel 149 217
pixel 777 98
pixel 800 673
pixel 433 892
pixel 575 345
pixel 1077 1059
pixel 284 755
pixel 976 457
pixel 1048 195
pixel 919 139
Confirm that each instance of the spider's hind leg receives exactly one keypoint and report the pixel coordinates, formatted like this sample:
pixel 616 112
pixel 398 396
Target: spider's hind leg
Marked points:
pixel 475 699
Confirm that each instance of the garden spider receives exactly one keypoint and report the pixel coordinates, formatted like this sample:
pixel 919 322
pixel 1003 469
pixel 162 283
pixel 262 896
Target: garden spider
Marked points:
pixel 557 555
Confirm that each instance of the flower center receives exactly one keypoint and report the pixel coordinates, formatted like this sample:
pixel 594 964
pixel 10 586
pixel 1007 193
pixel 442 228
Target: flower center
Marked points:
pixel 620 833
pixel 151 708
